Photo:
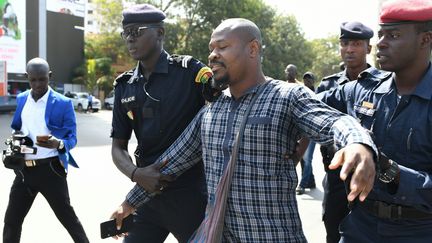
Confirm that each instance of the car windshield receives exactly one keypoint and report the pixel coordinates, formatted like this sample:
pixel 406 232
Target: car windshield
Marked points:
pixel 111 94
pixel 83 96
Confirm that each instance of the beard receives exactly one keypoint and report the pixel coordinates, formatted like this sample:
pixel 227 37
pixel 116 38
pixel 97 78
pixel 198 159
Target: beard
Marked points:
pixel 221 83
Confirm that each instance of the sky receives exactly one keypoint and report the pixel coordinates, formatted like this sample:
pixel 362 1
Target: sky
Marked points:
pixel 319 18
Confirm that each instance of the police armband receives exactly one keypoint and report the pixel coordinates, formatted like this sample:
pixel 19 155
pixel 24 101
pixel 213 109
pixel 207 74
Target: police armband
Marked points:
pixel 17 146
pixel 204 75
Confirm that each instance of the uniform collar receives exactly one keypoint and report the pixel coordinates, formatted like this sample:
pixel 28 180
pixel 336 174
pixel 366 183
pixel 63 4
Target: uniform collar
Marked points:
pixel 250 90
pixel 161 66
pixel 386 86
pixel 373 73
pixel 423 89
pixel 344 77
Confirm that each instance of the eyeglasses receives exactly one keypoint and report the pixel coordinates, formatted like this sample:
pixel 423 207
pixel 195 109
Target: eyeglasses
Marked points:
pixel 136 32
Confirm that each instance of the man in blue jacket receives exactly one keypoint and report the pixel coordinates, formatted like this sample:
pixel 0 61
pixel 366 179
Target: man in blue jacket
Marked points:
pixel 42 112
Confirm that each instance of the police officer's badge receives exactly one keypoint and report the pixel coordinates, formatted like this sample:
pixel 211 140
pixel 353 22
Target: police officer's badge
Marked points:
pixel 130 115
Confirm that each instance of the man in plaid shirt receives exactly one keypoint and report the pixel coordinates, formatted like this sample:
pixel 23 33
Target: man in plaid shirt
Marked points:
pixel 261 204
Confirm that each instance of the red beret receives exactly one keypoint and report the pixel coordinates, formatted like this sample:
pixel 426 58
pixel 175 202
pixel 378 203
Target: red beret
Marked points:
pixel 403 11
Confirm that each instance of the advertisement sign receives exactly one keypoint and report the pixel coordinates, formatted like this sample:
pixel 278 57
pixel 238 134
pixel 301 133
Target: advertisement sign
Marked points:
pixel 13 35
pixel 3 78
pixel 72 7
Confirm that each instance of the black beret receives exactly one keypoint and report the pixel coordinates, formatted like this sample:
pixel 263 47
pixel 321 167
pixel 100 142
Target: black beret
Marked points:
pixel 309 75
pixel 355 30
pixel 142 13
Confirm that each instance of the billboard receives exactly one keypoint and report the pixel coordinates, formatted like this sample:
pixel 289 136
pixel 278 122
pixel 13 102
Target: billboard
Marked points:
pixel 72 7
pixel 13 35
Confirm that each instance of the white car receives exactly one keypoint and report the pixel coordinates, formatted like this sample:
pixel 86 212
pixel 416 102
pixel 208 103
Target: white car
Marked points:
pixel 109 101
pixel 80 101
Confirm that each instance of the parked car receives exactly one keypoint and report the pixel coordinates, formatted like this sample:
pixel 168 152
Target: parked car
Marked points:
pixel 80 101
pixel 109 101
pixel 7 103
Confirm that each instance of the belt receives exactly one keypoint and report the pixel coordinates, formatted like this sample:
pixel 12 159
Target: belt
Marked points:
pixel 37 162
pixel 385 210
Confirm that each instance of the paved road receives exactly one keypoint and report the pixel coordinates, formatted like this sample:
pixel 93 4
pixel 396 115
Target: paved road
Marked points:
pixel 97 188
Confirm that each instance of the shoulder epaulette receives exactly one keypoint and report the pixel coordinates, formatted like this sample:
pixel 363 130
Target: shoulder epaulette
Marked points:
pixel 202 73
pixel 333 76
pixel 124 77
pixel 180 60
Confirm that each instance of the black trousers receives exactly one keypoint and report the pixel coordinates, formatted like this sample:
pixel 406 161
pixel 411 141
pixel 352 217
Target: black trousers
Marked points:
pixel 177 210
pixel 335 204
pixel 50 180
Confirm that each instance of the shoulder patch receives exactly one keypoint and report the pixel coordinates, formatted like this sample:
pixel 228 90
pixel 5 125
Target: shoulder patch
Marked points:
pixel 123 77
pixel 203 75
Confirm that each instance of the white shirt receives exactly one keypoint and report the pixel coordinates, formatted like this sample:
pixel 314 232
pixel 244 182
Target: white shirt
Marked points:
pixel 33 124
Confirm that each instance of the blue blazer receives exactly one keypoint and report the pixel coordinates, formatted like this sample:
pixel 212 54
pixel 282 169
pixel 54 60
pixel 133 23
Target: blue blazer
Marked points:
pixel 59 118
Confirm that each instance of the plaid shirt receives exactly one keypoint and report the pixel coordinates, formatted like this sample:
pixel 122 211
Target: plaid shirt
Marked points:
pixel 262 205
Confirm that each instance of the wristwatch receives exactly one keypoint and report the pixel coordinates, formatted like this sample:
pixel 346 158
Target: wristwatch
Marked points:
pixel 388 175
pixel 61 145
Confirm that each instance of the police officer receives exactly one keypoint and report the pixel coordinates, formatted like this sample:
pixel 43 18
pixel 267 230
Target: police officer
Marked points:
pixel 397 108
pixel 354 46
pixel 156 100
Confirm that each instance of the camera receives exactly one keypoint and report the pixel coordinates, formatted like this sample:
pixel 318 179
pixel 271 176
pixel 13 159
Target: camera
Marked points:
pixel 17 146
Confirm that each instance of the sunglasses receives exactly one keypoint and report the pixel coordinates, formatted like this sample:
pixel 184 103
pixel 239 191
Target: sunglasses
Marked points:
pixel 136 32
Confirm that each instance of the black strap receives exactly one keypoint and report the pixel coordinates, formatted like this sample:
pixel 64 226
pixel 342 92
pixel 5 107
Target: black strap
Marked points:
pixel 385 210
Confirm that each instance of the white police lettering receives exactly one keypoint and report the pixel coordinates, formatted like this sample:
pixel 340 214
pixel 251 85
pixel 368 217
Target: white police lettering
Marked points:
pixel 128 99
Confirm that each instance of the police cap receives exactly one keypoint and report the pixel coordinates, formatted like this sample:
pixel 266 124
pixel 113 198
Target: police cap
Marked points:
pixel 396 12
pixel 309 75
pixel 355 30
pixel 142 13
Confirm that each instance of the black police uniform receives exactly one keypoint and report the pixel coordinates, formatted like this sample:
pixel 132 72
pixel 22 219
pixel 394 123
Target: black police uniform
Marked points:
pixel 158 110
pixel 335 203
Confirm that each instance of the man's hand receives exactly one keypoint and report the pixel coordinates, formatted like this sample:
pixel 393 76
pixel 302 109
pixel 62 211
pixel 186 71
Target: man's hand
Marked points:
pixel 356 158
pixel 300 149
pixel 151 179
pixel 52 143
pixel 122 212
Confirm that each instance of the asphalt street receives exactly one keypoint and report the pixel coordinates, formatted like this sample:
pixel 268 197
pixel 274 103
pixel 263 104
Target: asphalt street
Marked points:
pixel 97 187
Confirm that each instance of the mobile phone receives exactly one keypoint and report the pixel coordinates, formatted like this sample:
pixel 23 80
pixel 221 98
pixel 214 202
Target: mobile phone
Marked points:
pixel 42 138
pixel 109 228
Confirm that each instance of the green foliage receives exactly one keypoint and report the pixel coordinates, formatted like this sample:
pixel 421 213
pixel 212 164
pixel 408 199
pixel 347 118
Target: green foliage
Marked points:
pixel 190 32
pixel 189 25
pixel 96 72
pixel 326 55
pixel 108 15
pixel 285 44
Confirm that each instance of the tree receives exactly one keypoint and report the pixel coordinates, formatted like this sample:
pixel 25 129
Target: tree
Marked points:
pixel 202 16
pixel 326 55
pixel 99 74
pixel 108 15
pixel 285 44
pixel 190 23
